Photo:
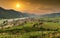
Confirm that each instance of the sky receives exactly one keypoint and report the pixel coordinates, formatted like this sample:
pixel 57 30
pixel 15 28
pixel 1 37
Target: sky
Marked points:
pixel 32 6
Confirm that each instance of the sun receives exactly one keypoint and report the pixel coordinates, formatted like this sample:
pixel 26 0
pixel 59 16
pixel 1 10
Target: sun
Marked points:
pixel 18 5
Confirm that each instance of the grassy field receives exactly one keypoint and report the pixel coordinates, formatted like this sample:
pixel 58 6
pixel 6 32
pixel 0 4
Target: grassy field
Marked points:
pixel 48 30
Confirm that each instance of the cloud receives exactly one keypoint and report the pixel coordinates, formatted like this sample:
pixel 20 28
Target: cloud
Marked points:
pixel 43 1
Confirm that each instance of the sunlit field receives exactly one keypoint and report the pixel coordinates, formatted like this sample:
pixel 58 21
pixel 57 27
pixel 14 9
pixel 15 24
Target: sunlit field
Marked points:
pixel 30 28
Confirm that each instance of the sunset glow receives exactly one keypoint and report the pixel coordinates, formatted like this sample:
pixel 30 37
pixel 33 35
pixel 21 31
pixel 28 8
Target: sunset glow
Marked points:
pixel 18 5
pixel 32 6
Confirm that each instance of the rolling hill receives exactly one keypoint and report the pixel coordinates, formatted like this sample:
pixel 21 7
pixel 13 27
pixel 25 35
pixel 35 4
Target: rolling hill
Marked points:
pixel 8 14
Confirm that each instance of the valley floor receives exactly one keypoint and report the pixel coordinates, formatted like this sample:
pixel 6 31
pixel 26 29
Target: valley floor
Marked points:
pixel 31 29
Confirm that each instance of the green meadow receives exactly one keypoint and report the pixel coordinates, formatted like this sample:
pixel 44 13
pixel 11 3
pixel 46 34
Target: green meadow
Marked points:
pixel 28 30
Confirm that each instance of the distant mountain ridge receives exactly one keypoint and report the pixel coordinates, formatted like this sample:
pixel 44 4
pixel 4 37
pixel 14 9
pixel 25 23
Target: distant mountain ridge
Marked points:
pixel 52 15
pixel 8 14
